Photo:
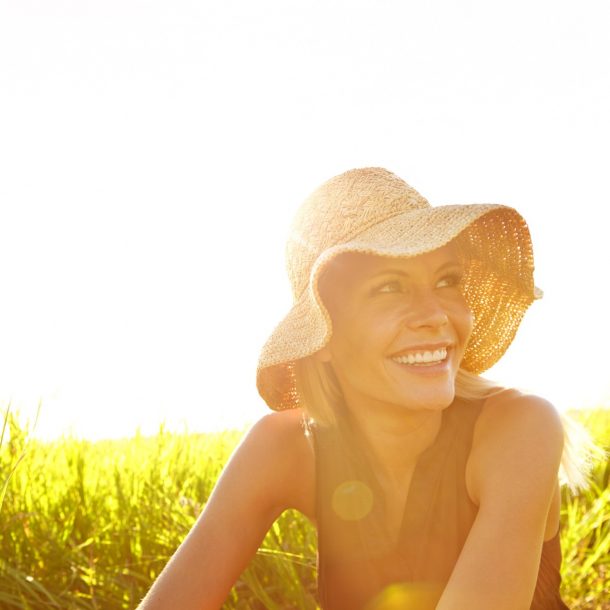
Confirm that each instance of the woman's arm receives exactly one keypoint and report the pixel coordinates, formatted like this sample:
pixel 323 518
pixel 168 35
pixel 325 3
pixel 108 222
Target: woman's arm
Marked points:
pixel 258 483
pixel 512 474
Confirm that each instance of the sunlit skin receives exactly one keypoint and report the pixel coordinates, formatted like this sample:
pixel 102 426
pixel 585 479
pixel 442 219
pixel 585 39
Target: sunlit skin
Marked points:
pixel 382 307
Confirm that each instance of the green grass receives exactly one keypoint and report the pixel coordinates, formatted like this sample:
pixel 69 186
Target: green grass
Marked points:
pixel 585 538
pixel 88 525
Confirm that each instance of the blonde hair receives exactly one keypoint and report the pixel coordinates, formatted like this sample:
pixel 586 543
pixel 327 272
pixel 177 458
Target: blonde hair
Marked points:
pixel 321 398
pixel 318 390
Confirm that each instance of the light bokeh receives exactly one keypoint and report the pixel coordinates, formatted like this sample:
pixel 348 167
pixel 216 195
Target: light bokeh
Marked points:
pixel 152 155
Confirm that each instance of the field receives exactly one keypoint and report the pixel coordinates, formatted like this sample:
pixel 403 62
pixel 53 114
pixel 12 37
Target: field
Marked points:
pixel 88 525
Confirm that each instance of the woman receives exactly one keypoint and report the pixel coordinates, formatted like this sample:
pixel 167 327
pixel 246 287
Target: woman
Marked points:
pixel 429 486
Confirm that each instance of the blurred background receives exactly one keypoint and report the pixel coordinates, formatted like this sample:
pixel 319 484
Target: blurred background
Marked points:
pixel 152 155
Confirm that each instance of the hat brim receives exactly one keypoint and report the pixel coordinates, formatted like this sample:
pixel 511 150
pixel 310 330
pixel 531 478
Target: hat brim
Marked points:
pixel 498 286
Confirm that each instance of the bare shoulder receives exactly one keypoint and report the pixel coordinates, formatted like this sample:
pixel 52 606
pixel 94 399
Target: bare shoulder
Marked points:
pixel 259 482
pixel 282 434
pixel 512 413
pixel 279 445
pixel 516 435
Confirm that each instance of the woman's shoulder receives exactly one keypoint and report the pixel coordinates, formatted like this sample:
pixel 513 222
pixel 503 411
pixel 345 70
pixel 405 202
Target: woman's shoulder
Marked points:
pixel 514 427
pixel 286 454
pixel 282 432
pixel 511 410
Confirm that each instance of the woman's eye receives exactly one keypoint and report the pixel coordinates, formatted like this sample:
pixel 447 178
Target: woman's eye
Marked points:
pixel 448 281
pixel 389 287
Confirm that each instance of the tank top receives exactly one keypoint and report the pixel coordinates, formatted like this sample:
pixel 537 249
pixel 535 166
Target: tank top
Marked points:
pixel 360 567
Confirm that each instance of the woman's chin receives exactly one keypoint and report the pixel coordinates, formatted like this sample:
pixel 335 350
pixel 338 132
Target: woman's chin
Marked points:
pixel 436 401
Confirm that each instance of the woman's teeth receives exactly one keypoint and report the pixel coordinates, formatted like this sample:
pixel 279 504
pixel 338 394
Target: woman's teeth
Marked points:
pixel 422 357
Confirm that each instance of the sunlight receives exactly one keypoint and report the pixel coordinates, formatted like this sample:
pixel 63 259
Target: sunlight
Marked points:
pixel 352 500
pixel 144 219
pixel 407 596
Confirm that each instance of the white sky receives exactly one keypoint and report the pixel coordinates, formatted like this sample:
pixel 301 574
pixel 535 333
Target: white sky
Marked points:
pixel 152 154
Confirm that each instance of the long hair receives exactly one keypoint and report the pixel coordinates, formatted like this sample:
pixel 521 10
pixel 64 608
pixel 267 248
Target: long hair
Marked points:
pixel 321 398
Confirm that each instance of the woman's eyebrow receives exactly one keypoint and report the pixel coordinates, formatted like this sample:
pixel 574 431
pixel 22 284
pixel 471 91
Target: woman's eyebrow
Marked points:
pixel 449 265
pixel 402 272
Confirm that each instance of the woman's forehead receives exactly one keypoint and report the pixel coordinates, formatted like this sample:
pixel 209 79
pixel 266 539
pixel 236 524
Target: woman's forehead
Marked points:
pixel 358 263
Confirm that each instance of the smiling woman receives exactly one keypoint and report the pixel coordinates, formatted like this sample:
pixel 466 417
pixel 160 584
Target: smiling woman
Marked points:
pixel 430 487
pixel 381 308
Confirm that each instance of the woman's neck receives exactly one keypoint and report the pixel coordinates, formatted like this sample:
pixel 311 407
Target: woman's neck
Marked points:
pixel 395 440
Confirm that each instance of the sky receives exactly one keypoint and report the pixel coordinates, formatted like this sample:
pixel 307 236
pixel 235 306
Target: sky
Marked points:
pixel 153 153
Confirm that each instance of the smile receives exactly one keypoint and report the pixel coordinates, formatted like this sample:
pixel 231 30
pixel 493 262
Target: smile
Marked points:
pixel 422 358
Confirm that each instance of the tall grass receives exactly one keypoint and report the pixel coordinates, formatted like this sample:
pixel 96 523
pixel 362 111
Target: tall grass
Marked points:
pixel 89 525
pixel 585 519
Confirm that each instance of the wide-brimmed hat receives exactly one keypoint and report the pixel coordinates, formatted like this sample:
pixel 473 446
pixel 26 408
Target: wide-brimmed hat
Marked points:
pixel 373 211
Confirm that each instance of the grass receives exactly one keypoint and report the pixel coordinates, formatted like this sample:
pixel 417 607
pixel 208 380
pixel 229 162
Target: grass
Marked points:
pixel 585 538
pixel 88 525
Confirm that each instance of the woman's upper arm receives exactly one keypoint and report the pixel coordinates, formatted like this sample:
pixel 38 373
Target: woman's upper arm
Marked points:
pixel 513 475
pixel 254 488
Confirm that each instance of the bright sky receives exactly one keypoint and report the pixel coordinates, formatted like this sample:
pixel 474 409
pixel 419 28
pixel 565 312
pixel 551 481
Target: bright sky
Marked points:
pixel 152 155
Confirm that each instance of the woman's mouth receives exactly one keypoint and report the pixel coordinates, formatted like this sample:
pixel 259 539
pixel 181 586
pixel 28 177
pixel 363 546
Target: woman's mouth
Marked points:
pixel 422 358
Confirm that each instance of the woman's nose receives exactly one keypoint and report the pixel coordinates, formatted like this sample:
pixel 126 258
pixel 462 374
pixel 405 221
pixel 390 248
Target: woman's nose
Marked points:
pixel 426 311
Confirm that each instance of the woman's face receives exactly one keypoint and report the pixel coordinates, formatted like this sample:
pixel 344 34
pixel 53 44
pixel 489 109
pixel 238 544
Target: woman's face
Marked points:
pixel 400 328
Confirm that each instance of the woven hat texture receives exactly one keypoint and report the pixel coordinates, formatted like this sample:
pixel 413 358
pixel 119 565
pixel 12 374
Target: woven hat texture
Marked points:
pixel 371 210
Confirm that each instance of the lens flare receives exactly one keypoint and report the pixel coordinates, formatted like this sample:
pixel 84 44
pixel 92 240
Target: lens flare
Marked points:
pixel 407 596
pixel 352 500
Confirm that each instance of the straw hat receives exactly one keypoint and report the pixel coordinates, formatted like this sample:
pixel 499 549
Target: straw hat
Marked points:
pixel 373 211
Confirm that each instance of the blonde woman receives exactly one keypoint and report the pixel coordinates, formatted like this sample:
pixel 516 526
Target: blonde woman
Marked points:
pixel 429 486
